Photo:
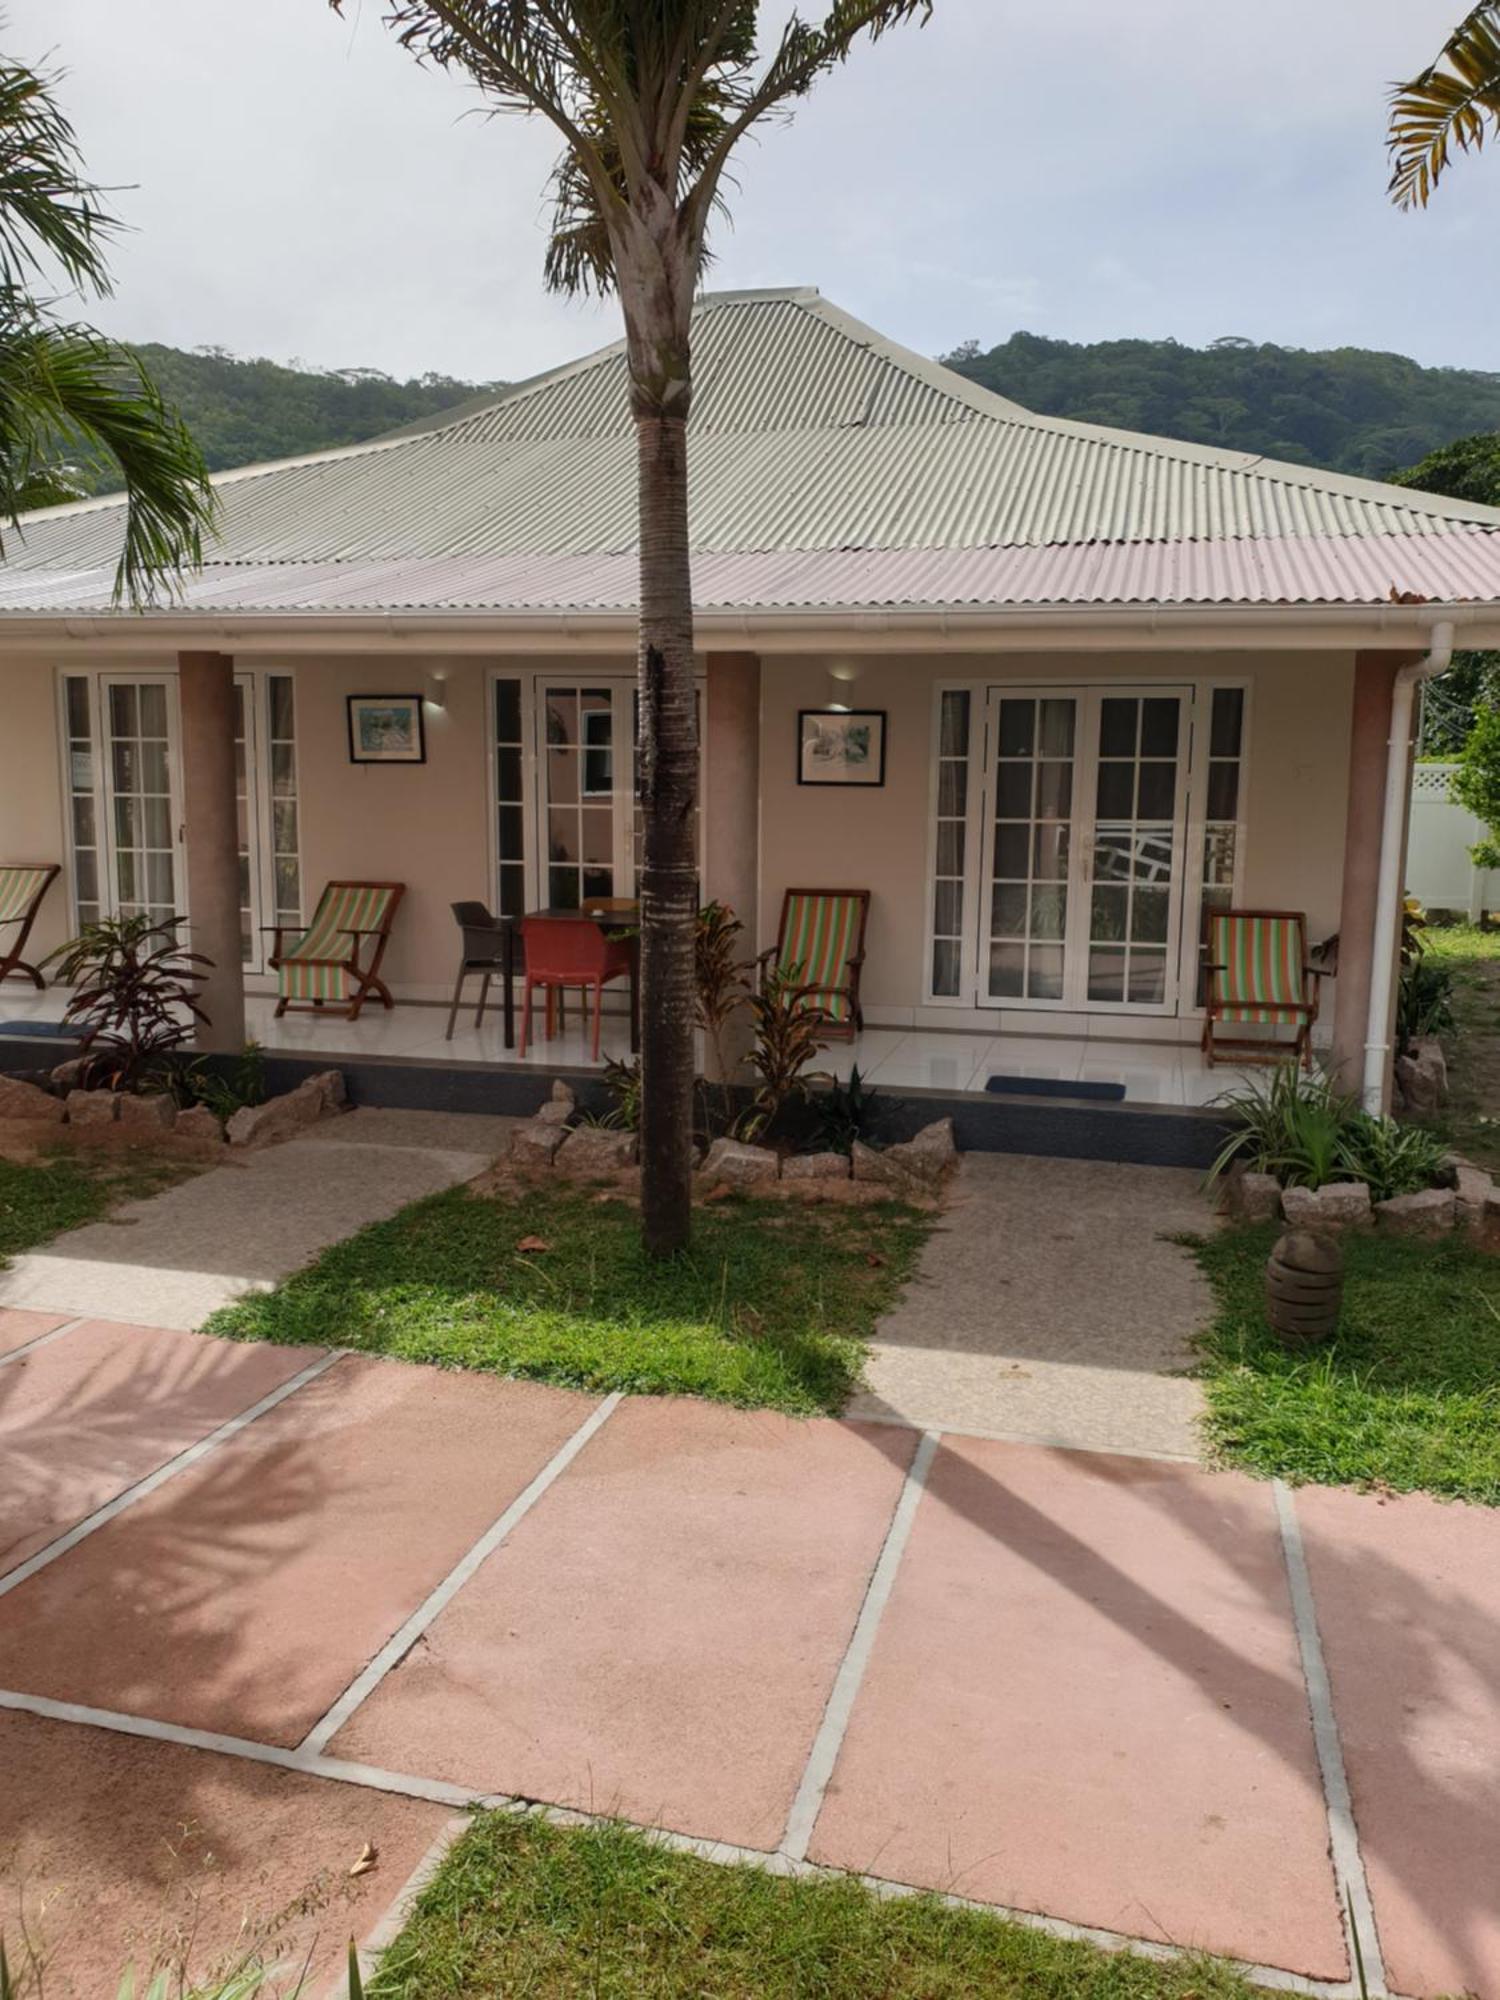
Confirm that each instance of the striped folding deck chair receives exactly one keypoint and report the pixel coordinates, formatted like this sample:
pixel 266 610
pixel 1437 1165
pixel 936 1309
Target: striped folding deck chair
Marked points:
pixel 22 888
pixel 822 941
pixel 1259 975
pixel 336 960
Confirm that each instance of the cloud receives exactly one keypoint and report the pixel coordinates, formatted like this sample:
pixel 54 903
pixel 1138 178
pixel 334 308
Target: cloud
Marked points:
pixel 298 186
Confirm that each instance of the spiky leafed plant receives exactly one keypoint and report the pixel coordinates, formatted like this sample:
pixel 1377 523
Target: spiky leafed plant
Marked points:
pixel 650 99
pixel 64 387
pixel 1455 101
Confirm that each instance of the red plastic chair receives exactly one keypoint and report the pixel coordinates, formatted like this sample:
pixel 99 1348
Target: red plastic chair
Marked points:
pixel 568 951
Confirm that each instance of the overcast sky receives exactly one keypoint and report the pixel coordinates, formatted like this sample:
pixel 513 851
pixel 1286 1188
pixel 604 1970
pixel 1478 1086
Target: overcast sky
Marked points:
pixel 299 188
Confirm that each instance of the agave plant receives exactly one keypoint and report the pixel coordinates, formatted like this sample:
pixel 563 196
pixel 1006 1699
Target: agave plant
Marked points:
pixel 1291 1126
pixel 135 995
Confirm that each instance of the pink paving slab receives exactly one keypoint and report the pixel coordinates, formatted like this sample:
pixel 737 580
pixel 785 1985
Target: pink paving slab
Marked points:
pixel 659 1638
pixel 17 1326
pixel 88 1415
pixel 1085 1699
pixel 117 1848
pixel 1408 1601
pixel 246 1593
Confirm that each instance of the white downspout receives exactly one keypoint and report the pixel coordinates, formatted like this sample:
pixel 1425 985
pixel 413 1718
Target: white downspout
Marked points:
pixel 1388 892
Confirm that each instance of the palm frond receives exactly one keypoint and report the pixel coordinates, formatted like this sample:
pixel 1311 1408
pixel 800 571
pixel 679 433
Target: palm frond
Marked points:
pixel 1454 102
pixel 62 384
pixel 51 215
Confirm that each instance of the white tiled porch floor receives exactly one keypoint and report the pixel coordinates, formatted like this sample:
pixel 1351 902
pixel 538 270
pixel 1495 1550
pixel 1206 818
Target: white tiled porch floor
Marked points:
pixel 893 1058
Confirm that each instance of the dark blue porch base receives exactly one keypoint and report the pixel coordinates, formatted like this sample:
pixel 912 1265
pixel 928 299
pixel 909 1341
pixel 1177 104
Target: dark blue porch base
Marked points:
pixel 1146 1135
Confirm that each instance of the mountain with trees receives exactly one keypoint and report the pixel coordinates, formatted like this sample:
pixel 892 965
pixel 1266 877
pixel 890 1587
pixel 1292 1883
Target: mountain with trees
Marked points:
pixel 244 411
pixel 1349 409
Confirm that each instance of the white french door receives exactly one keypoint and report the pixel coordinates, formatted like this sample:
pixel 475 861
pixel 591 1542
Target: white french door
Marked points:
pixel 585 760
pixel 125 785
pixel 1083 806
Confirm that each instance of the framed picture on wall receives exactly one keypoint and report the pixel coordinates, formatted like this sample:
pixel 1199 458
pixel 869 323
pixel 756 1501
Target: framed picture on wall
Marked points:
pixel 837 746
pixel 386 729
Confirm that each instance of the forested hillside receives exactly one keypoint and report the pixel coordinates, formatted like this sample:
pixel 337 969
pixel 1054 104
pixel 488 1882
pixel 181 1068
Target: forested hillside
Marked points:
pixel 1348 408
pixel 244 411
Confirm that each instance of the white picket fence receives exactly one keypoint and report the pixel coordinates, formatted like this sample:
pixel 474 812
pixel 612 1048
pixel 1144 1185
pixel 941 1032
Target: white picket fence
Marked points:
pixel 1439 872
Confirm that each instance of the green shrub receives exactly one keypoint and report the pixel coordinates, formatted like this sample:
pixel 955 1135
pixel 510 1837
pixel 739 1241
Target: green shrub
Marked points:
pixel 1291 1126
pixel 1390 1158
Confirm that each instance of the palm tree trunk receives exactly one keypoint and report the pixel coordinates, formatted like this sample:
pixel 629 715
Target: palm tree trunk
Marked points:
pixel 669 797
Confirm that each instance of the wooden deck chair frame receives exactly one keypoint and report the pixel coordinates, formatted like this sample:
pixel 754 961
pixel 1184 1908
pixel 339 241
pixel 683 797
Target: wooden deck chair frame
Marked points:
pixel 1297 1015
pixel 833 1028
pixel 362 976
pixel 10 955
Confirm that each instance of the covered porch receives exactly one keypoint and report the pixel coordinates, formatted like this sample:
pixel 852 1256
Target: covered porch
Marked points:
pixel 1041 844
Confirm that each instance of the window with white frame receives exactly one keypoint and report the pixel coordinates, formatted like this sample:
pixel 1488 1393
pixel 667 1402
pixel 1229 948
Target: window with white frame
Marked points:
pixel 1221 816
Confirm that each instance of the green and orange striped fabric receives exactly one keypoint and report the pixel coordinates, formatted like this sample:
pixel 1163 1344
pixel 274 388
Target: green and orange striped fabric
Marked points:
pixel 316 966
pixel 1259 972
pixel 19 888
pixel 819 936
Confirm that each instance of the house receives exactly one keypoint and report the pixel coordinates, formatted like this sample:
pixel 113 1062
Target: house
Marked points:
pixel 1094 684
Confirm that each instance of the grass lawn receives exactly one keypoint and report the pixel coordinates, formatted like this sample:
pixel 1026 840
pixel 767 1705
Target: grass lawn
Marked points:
pixel 770 1307
pixel 42 1198
pixel 1471 1118
pixel 524 1907
pixel 1406 1397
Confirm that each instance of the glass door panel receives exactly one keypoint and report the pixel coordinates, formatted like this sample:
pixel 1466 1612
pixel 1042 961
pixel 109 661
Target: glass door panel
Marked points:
pixel 584 855
pixel 1136 890
pixel 1036 746
pixel 142 808
pixel 1085 804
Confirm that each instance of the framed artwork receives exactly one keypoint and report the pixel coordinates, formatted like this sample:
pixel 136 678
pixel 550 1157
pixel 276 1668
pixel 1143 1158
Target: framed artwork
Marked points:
pixel 386 729
pixel 841 746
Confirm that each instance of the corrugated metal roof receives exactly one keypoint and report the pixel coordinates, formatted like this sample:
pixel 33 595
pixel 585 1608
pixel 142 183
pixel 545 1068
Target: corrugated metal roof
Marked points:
pixel 1302 569
pixel 811 436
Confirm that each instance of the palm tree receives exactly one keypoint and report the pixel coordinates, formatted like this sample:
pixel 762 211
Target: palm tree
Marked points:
pixel 650 99
pixel 65 388
pixel 1455 100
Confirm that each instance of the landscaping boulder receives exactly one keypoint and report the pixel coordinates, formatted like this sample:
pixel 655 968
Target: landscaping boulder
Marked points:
pixel 915 1165
pixel 68 1075
pixel 1426 1215
pixel 1339 1205
pixel 1472 1190
pixel 1484 1232
pixel 736 1165
pixel 591 1150
pixel 283 1117
pixel 1421 1078
pixel 26 1100
pixel 1252 1197
pixel 560 1106
pixel 536 1143
pixel 154 1112
pixel 816 1167
pixel 198 1122
pixel 93 1107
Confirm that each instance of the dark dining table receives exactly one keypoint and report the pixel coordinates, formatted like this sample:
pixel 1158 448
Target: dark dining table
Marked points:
pixel 616 918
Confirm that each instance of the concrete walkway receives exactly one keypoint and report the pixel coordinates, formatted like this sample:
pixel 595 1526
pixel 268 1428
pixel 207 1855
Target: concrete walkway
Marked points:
pixel 299 1602
pixel 174 1258
pixel 1051 1306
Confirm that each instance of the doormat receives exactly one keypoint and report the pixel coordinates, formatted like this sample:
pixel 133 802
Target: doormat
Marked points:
pixel 1055 1086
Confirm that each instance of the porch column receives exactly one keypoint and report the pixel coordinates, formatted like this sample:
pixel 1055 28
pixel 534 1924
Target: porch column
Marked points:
pixel 1374 677
pixel 205 684
pixel 731 802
